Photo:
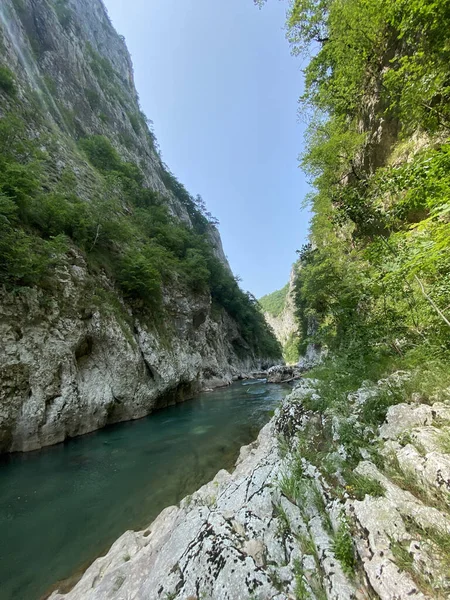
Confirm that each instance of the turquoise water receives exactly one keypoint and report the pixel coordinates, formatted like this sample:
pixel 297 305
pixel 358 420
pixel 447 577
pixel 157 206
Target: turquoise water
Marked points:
pixel 63 506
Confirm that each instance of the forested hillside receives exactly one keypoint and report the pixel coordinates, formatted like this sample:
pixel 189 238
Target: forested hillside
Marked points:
pixel 375 274
pixel 274 303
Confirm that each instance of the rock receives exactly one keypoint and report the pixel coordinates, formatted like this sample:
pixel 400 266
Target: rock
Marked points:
pixel 239 537
pixel 77 356
pixel 67 374
pixel 291 415
pixel 284 324
pixel 403 417
pixel 218 549
pixel 255 549
pixel 282 373
pixel 313 356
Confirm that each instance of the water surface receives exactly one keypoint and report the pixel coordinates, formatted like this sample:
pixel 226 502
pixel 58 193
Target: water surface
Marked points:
pixel 63 506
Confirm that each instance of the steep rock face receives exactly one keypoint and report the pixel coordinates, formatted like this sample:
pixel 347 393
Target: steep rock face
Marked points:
pixel 75 356
pixel 283 322
pixel 80 68
pixel 68 366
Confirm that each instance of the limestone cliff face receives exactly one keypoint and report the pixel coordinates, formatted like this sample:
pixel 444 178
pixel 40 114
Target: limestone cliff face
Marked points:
pixel 74 364
pixel 79 67
pixel 76 356
pixel 283 321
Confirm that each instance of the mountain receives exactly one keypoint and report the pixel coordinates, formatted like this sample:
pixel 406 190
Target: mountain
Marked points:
pixel 116 297
pixel 279 312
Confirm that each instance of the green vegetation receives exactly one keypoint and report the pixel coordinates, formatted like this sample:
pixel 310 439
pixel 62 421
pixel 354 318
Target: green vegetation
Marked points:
pixel 375 275
pixel 136 123
pixel 93 98
pixel 125 230
pixel 25 257
pixel 101 66
pixel 301 591
pixel 274 303
pixel 308 586
pixel 360 486
pixel 291 351
pixel 408 480
pixel 438 544
pixel 7 81
pixel 343 548
pixel 373 279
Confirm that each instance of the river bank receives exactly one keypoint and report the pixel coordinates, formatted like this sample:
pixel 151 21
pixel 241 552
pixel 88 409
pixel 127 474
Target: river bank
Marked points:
pixel 287 524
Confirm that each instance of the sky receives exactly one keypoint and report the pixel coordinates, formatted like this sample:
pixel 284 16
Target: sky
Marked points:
pixel 218 81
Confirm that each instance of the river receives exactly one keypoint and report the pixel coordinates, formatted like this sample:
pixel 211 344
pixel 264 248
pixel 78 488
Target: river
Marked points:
pixel 63 506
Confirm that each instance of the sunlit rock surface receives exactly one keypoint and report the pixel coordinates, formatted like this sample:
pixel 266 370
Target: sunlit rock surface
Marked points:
pixel 243 535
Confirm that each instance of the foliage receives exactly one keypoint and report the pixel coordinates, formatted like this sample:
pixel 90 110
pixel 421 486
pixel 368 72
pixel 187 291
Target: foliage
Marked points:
pixel 274 303
pixel 291 351
pixel 138 275
pixel 101 66
pixel 374 409
pixel 7 81
pixel 125 229
pixel 374 280
pixel 343 548
pixel 101 153
pixel 359 486
pixel 135 121
pixel 300 590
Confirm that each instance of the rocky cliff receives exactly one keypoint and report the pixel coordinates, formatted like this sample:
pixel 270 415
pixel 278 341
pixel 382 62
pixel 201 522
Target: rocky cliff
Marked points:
pixel 78 351
pixel 279 312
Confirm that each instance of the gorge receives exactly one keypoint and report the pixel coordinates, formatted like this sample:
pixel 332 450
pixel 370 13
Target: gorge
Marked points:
pixel 116 295
pixel 63 506
pixel 117 304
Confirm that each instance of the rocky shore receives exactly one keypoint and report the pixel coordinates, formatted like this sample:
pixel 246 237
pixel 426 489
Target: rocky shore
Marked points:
pixel 280 527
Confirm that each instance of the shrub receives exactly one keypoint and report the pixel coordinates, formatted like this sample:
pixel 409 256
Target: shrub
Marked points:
pixel 138 277
pixel 343 548
pixel 374 409
pixel 291 351
pixel 360 485
pixel 135 121
pixel 7 81
pixel 93 97
pixel 101 153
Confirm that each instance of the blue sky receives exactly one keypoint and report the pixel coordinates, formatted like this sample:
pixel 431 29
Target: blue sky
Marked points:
pixel 217 79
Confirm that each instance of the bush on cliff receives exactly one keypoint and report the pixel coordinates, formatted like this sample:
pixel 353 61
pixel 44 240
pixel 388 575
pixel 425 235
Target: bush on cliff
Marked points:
pixel 375 276
pixel 125 228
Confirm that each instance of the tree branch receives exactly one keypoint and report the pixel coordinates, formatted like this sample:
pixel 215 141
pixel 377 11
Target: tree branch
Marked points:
pixel 431 301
